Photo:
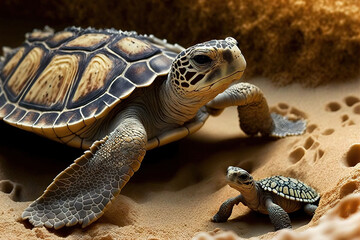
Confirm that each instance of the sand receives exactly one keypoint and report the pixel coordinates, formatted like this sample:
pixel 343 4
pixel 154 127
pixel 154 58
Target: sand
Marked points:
pixel 180 186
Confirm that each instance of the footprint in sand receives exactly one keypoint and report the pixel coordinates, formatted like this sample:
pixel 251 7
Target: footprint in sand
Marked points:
pixel 349 188
pixel 301 149
pixel 333 107
pixel 351 102
pixel 354 103
pixel 328 132
pixel 286 110
pixel 309 148
pixel 306 149
pixel 353 155
pixel 312 128
pixel 12 189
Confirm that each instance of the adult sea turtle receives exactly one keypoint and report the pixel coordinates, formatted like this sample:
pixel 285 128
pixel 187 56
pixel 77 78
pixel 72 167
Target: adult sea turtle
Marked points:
pixel 118 94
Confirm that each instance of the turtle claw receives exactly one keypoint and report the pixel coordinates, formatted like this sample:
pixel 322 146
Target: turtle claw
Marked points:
pixel 284 127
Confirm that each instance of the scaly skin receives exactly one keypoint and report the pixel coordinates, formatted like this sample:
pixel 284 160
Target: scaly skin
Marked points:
pixel 80 193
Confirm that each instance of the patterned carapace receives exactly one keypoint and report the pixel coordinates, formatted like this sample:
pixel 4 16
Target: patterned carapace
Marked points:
pixel 57 84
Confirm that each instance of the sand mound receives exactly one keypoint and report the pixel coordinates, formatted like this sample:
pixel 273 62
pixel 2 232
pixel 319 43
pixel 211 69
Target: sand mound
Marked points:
pixel 341 222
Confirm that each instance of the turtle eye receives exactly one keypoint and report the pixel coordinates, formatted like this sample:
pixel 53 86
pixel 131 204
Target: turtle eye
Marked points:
pixel 243 177
pixel 202 59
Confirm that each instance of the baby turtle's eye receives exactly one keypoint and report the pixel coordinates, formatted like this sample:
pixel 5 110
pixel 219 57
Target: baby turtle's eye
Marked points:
pixel 243 177
pixel 202 59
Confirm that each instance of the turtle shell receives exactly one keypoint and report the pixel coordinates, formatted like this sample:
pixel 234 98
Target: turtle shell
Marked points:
pixel 289 188
pixel 58 84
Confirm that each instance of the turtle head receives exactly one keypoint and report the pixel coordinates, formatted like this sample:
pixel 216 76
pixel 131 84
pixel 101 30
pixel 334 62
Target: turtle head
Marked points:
pixel 208 68
pixel 239 179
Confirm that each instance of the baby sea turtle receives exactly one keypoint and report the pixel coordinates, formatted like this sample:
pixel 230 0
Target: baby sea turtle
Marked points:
pixel 276 196
pixel 119 94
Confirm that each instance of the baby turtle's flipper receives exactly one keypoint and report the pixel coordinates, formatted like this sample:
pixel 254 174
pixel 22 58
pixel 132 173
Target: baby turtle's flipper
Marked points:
pixel 279 218
pixel 226 208
pixel 310 208
pixel 80 194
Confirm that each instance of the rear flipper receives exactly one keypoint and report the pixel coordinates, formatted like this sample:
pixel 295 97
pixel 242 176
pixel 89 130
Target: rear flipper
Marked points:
pixel 310 209
pixel 81 193
pixel 254 112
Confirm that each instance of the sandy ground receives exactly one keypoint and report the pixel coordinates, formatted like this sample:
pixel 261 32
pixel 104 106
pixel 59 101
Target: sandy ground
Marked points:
pixel 180 186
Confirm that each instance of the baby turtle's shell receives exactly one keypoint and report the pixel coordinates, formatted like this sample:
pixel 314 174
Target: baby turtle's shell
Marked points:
pixel 58 84
pixel 289 188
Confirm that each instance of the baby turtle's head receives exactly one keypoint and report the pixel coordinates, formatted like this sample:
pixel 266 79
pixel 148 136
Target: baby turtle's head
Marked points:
pixel 239 179
pixel 206 69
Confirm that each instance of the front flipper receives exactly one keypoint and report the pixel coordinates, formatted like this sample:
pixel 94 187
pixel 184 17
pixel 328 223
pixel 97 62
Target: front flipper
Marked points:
pixel 81 193
pixel 226 208
pixel 279 218
pixel 284 127
pixel 254 112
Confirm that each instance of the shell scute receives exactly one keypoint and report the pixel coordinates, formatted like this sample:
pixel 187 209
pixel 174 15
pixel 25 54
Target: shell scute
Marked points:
pixel 87 42
pixel 50 89
pixel 121 88
pixel 24 73
pixel 30 118
pixel 15 116
pixel 96 107
pixel 160 64
pixel 59 38
pixel 100 71
pixel 139 74
pixel 133 49
pixel 10 65
pixel 69 117
pixel 6 109
pixel 46 119
pixel 108 99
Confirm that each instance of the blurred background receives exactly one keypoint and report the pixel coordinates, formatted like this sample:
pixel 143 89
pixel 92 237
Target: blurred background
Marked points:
pixel 305 41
